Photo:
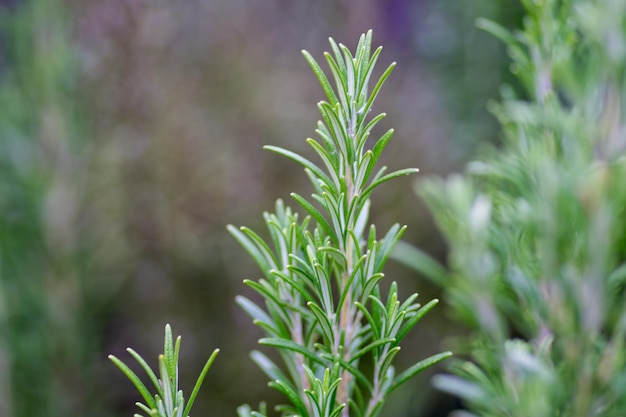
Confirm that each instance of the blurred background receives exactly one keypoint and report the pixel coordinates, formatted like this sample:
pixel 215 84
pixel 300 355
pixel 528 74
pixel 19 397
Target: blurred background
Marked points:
pixel 131 135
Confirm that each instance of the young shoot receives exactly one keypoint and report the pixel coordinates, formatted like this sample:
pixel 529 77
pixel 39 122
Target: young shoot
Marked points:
pixel 323 310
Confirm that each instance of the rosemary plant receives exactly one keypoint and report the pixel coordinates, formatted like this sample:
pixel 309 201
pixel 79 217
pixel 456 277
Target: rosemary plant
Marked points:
pixel 169 400
pixel 324 309
pixel 536 229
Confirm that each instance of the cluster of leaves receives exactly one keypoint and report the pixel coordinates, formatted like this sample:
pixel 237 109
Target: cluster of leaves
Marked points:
pixel 169 400
pixel 324 311
pixel 537 228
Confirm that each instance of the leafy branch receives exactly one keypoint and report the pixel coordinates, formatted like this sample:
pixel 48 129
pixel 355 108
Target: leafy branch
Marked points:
pixel 324 311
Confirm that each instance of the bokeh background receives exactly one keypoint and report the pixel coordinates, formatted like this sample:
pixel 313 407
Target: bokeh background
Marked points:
pixel 131 135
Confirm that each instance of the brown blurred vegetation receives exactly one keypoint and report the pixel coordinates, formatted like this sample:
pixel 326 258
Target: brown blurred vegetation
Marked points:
pixel 172 102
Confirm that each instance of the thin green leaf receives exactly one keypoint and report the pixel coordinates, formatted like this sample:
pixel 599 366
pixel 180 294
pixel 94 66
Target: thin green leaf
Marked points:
pixel 292 346
pixel 291 394
pixel 199 381
pixel 357 374
pixel 370 319
pixel 328 161
pixel 270 330
pixel 337 410
pixel 355 409
pixel 336 215
pixel 278 239
pixel 305 273
pixel 335 254
pixel 146 368
pixel 370 265
pixel 370 284
pixel 388 243
pixel 376 409
pixel 169 394
pixel 356 270
pixel 267 291
pixel 378 175
pixel 301 289
pixel 387 358
pixel 315 181
pixel 176 353
pixel 319 218
pixel 145 409
pixel 324 322
pixel 374 344
pixel 417 368
pixel 377 87
pixel 364 171
pixel 378 308
pixel 381 143
pixel 390 176
pixel 251 248
pixel 253 310
pixel 363 133
pixel 361 221
pixel 168 351
pixel 262 246
pixel 368 73
pixel 416 318
pixel 319 73
pixel 338 58
pixel 496 30
pixel 348 59
pixel 135 380
pixel 301 160
pixel 408 305
pixel 333 119
pixel 392 297
pixel 340 79
pixel 267 366
pixel 274 301
pixel 324 288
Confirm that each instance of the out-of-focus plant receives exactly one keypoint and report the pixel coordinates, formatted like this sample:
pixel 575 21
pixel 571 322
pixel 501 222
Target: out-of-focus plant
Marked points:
pixel 47 332
pixel 537 229
pixel 169 400
pixel 324 310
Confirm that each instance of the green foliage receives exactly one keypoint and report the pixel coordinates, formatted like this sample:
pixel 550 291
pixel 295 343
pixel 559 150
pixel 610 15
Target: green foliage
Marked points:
pixel 324 310
pixel 48 342
pixel 536 229
pixel 169 400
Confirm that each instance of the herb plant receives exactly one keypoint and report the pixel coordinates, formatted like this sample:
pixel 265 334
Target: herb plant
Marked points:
pixel 324 309
pixel 169 400
pixel 537 229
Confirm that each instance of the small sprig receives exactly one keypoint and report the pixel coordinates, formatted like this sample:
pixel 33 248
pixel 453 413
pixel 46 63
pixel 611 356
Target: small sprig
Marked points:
pixel 168 401
pixel 323 306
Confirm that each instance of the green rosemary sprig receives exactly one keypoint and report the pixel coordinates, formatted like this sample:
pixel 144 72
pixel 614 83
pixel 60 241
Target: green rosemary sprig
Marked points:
pixel 324 310
pixel 169 400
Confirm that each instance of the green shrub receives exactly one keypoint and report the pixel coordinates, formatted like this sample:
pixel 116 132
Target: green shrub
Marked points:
pixel 537 230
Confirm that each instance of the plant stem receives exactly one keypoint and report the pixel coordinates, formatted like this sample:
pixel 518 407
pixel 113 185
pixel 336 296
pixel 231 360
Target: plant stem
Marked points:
pixel 345 322
pixel 296 334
